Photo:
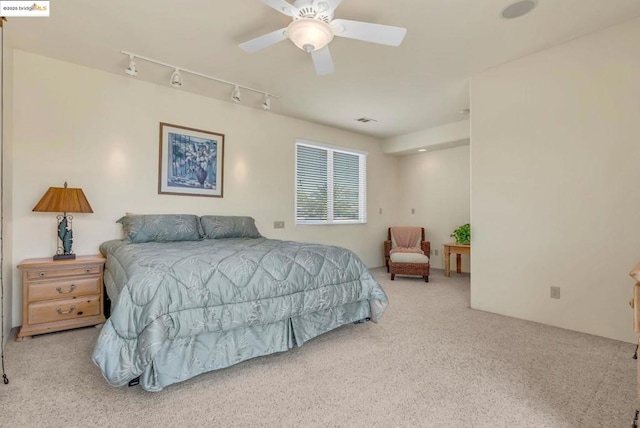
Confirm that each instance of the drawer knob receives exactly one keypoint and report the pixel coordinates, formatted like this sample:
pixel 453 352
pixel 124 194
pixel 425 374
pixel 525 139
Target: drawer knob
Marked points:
pixel 43 274
pixel 61 312
pixel 59 289
pixel 87 270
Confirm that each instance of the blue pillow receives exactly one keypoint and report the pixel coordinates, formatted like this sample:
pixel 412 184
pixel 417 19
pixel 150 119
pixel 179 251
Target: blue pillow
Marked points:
pixel 217 227
pixel 160 228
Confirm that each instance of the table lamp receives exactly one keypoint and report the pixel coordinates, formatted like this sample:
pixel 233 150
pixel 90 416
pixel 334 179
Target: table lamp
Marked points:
pixel 65 200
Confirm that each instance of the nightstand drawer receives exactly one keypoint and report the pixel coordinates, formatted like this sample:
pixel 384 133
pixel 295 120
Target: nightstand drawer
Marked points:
pixel 58 310
pixel 71 271
pixel 63 289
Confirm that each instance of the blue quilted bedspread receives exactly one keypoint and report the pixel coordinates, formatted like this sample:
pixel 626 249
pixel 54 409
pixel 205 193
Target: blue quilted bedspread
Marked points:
pixel 184 308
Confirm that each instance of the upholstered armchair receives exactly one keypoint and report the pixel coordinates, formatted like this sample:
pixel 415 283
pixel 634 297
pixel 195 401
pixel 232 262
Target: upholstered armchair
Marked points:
pixel 406 252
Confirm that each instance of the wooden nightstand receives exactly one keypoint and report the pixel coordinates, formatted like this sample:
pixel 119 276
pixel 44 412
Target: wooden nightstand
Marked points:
pixel 60 295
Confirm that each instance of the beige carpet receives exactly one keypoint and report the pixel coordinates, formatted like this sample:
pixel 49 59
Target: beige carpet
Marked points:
pixel 430 362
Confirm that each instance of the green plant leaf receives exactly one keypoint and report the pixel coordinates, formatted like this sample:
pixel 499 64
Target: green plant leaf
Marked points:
pixel 462 234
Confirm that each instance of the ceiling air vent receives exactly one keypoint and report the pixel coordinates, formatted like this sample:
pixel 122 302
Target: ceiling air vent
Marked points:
pixel 366 120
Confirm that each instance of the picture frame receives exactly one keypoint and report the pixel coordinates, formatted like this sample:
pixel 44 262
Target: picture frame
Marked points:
pixel 191 161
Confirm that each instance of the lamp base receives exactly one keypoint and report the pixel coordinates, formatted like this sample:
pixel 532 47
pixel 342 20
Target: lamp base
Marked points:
pixel 64 257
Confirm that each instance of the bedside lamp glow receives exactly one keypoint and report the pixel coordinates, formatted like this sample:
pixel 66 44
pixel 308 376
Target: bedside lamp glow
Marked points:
pixel 65 200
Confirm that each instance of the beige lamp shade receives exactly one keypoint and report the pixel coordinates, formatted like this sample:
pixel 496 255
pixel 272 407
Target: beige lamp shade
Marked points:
pixel 63 199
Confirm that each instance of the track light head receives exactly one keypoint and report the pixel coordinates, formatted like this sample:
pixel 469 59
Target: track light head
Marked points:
pixel 266 103
pixel 176 79
pixel 132 71
pixel 235 95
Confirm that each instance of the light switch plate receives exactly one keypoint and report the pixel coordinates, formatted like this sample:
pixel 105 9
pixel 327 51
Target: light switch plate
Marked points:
pixel 278 224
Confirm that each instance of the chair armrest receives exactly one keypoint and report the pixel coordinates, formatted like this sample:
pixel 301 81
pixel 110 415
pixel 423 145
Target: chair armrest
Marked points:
pixel 426 248
pixel 387 248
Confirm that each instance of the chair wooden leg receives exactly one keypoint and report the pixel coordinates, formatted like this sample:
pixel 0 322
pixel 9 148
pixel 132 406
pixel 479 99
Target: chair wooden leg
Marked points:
pixel 393 276
pixel 426 278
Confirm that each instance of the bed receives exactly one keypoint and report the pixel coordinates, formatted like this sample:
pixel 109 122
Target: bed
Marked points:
pixel 193 294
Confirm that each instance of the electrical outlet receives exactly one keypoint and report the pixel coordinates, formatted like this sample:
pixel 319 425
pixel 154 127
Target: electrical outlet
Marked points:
pixel 413 210
pixel 437 252
pixel 555 292
pixel 380 210
pixel 278 224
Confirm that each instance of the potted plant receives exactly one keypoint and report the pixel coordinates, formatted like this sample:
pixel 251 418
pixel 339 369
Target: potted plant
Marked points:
pixel 462 234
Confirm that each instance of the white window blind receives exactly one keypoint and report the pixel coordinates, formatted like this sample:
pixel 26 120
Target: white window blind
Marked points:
pixel 331 185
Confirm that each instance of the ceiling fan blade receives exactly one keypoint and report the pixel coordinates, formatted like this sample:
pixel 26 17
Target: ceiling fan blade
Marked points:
pixel 262 42
pixel 374 33
pixel 326 5
pixel 282 7
pixel 322 61
pixel 333 4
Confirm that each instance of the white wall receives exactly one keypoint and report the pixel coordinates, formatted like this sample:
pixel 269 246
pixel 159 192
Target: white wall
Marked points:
pixel 99 131
pixel 6 63
pixel 436 184
pixel 555 168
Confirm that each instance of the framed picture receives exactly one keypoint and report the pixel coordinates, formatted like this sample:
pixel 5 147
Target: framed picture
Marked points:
pixel 191 161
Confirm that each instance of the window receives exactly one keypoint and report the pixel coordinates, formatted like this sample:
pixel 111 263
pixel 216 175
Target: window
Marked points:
pixel 331 184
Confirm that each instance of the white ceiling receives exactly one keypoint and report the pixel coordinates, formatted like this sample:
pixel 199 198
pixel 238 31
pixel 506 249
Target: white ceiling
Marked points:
pixel 421 84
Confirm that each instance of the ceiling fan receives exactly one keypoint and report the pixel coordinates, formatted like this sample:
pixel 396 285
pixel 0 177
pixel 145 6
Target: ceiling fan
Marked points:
pixel 313 28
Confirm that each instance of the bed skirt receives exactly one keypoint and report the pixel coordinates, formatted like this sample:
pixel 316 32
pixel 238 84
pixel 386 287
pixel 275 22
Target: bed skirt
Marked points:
pixel 191 356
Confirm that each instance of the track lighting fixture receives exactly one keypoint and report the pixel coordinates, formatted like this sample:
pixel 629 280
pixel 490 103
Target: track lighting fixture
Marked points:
pixel 177 82
pixel 266 103
pixel 132 70
pixel 176 79
pixel 235 95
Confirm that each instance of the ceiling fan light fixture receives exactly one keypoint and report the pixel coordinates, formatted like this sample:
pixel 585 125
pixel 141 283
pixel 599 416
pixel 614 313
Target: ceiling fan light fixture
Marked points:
pixel 310 34
pixel 176 79
pixel 235 95
pixel 131 70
